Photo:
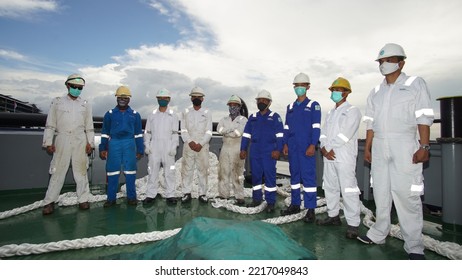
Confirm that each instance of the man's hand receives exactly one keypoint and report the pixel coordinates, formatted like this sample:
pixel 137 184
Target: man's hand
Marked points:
pixel 103 155
pixel 243 154
pixel 330 155
pixel 88 149
pixel 198 147
pixel 310 151
pixel 192 145
pixel 51 149
pixel 275 155
pixel 285 150
pixel 138 156
pixel 421 155
pixel 367 156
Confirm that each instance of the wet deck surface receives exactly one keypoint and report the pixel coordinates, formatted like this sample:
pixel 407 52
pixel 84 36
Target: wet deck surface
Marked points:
pixel 67 223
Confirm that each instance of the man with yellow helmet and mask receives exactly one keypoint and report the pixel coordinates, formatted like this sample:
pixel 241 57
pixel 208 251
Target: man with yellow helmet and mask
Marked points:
pixel 339 147
pixel 121 144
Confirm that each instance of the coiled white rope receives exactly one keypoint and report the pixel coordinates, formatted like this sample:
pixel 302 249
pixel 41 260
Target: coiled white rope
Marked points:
pixel 448 249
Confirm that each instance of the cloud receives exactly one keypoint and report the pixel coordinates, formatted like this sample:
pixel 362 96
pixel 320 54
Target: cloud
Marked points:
pixel 20 8
pixel 240 47
pixel 5 54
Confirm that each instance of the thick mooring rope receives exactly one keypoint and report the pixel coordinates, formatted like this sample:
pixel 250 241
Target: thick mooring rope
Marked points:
pixel 448 249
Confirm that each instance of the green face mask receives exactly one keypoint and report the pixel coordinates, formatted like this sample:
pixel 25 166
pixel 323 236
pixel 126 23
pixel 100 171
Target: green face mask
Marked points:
pixel 336 96
pixel 162 102
pixel 300 91
pixel 75 91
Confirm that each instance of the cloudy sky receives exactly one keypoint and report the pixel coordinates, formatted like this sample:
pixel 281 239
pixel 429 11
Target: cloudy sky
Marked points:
pixel 224 46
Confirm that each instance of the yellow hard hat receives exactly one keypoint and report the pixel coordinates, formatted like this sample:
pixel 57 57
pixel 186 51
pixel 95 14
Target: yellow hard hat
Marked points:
pixel 123 91
pixel 341 82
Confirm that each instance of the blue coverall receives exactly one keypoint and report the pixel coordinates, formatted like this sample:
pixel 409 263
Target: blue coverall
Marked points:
pixel 122 137
pixel 302 129
pixel 265 132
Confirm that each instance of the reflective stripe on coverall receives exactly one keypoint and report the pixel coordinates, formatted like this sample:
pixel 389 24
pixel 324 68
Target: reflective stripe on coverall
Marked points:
pixel 161 142
pixel 196 125
pixel 122 137
pixel 302 129
pixel 230 165
pixel 340 133
pixel 72 121
pixel 393 113
pixel 266 135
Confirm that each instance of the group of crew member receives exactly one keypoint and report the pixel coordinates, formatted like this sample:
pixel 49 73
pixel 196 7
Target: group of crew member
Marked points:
pixel 398 118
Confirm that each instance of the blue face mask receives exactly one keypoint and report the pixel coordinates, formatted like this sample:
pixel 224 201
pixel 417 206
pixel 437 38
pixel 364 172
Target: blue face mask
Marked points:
pixel 75 92
pixel 336 96
pixel 299 91
pixel 162 102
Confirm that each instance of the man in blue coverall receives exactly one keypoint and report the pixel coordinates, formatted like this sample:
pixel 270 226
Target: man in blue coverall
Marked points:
pixel 264 130
pixel 121 144
pixel 301 134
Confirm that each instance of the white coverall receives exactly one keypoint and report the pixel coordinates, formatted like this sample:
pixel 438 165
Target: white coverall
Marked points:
pixel 161 142
pixel 230 165
pixel 393 113
pixel 196 125
pixel 72 121
pixel 340 133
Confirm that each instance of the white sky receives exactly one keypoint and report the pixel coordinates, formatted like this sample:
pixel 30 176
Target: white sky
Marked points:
pixel 232 47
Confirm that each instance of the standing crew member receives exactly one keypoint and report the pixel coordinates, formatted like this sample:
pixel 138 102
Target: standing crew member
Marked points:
pixel 264 130
pixel 230 166
pixel 301 135
pixel 161 142
pixel 339 146
pixel 396 110
pixel 196 132
pixel 70 117
pixel 121 144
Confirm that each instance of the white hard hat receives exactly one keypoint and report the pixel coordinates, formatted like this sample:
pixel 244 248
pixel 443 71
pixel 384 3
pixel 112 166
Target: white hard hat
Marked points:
pixel 163 93
pixel 301 78
pixel 264 94
pixel 75 79
pixel 197 91
pixel 234 99
pixel 390 50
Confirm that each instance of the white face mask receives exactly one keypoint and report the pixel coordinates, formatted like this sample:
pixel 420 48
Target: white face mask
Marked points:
pixel 388 68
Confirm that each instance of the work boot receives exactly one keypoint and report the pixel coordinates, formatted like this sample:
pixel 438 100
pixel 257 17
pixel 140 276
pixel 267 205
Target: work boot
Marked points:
pixel 186 198
pixel 269 208
pixel 132 202
pixel 148 200
pixel 310 217
pixel 330 221
pixel 254 203
pixel 172 200
pixel 352 232
pixel 366 240
pixel 292 209
pixel 84 206
pixel 48 209
pixel 108 204
pixel 240 202
pixel 203 199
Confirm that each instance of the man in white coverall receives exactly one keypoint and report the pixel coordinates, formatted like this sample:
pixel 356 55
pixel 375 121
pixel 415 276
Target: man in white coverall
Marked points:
pixel 161 142
pixel 230 166
pixel 196 132
pixel 396 109
pixel 339 146
pixel 70 118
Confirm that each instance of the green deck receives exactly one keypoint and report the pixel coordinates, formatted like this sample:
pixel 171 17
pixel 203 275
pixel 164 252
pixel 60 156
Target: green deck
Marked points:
pixel 327 243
